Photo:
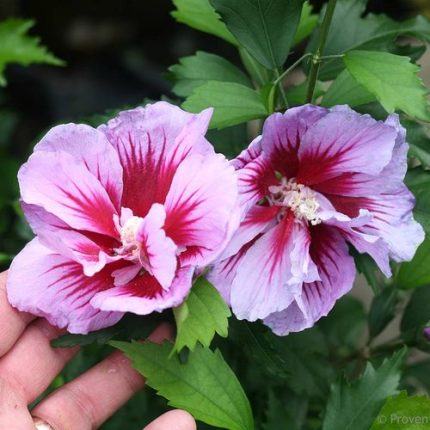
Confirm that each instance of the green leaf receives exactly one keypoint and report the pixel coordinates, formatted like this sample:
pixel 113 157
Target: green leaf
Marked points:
pixel 392 79
pixel 416 273
pixel 308 21
pixel 296 94
pixel 366 265
pixel 418 181
pixel 259 74
pixel 266 28
pixel 194 71
pixel 233 103
pixel 199 14
pixel 419 141
pixel 402 411
pixel 419 373
pixel 205 386
pixel 346 90
pixel 17 47
pixel 355 406
pixel 417 311
pixel 203 314
pixel 383 310
pixel 373 32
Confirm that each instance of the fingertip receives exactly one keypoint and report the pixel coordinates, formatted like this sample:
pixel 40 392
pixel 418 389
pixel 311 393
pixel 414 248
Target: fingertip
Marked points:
pixel 173 420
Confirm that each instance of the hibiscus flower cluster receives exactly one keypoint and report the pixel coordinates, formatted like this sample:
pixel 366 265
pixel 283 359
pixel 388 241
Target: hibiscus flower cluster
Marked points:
pixel 126 215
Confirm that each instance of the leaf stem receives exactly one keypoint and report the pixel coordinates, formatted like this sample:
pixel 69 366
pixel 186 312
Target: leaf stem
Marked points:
pixel 281 88
pixel 316 57
pixel 293 66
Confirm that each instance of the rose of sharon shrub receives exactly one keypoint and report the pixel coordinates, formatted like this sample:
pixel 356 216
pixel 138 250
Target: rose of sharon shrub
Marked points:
pixel 123 215
pixel 315 181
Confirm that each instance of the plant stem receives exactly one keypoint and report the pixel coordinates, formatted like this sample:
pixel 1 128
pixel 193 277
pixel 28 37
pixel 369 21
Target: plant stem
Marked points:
pixel 281 88
pixel 293 66
pixel 316 58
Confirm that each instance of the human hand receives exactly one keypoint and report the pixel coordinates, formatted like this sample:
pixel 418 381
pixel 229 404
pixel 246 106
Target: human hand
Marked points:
pixel 28 364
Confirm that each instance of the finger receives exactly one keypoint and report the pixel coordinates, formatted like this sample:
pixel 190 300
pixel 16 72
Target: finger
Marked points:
pixel 173 420
pixel 12 322
pixel 31 365
pixel 89 400
pixel 14 414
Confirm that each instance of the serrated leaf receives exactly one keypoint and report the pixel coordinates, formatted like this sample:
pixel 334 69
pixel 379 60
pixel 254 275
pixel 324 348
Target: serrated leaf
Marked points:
pixel 392 79
pixel 194 71
pixel 203 314
pixel 355 406
pixel 233 103
pixel 346 90
pixel 370 31
pixel 417 311
pixel 205 386
pixel 308 21
pixel 199 14
pixel 415 273
pixel 17 47
pixel 402 411
pixel 382 310
pixel 266 28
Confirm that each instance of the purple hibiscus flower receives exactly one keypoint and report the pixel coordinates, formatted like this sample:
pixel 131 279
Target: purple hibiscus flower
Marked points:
pixel 123 215
pixel 316 180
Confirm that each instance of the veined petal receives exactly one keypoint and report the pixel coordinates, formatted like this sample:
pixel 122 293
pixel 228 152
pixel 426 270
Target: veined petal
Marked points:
pixel 248 154
pixel 201 206
pixel 344 142
pixel 63 187
pixel 336 267
pixel 144 295
pixel 158 252
pixel 151 142
pixel 49 285
pixel 92 150
pixel 283 133
pixel 272 271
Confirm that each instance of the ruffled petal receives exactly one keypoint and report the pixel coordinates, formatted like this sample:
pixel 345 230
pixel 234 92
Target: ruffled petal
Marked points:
pixel 336 267
pixel 91 149
pixel 63 187
pixel 49 285
pixel 202 208
pixel 144 295
pixel 158 252
pixel 151 142
pixel 283 133
pixel 343 142
pixel 272 271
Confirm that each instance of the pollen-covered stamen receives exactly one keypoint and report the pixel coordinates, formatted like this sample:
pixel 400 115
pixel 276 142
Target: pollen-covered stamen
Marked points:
pixel 297 197
pixel 128 235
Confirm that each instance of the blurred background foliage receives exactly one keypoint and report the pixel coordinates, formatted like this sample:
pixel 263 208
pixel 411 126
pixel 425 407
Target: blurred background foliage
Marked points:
pixel 116 54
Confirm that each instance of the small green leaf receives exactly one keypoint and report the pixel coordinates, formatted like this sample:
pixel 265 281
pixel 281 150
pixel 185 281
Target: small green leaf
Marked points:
pixel 418 181
pixel 203 314
pixel 419 141
pixel 308 21
pixel 355 406
pixel 366 265
pixel 17 47
pixel 194 71
pixel 199 14
pixel 233 103
pixel 416 273
pixel 346 90
pixel 383 310
pixel 392 79
pixel 205 386
pixel 417 311
pixel 404 412
pixel 266 28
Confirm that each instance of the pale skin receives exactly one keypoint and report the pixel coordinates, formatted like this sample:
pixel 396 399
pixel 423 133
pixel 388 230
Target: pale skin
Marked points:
pixel 28 364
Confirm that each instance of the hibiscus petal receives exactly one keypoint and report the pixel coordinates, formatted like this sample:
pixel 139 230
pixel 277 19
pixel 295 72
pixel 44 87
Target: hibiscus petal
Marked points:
pixel 54 287
pixel 91 148
pixel 151 142
pixel 201 206
pixel 158 252
pixel 336 267
pixel 344 142
pixel 63 187
pixel 144 295
pixel 282 135
pixel 272 271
